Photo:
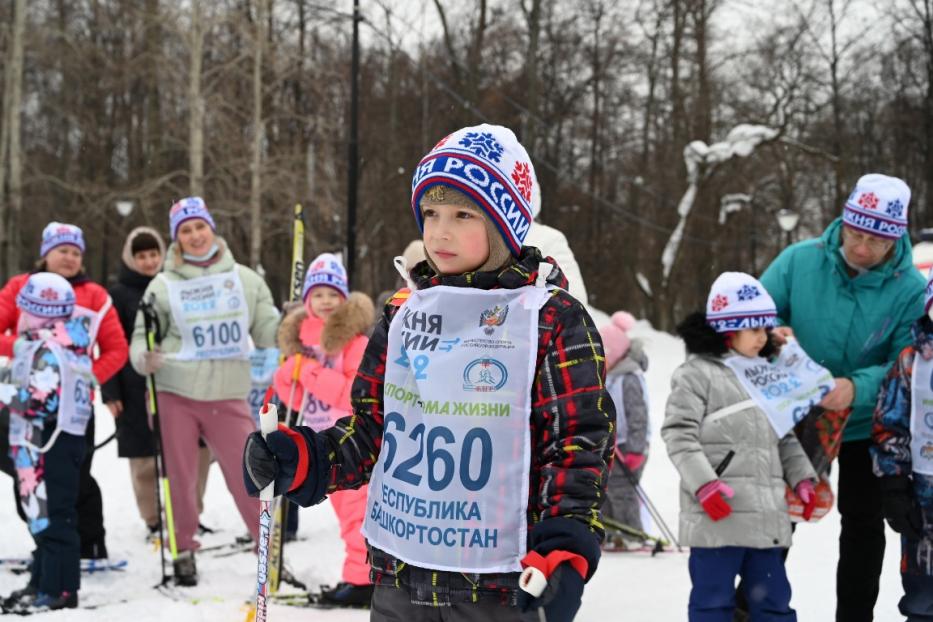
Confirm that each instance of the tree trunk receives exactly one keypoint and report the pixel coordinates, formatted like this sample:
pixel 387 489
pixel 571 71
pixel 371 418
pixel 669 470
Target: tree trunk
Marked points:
pixel 196 102
pixel 16 153
pixel 255 194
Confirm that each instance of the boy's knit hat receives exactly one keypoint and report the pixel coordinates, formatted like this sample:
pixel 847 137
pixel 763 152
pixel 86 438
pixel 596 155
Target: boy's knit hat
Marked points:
pixel 878 205
pixel 928 302
pixel 46 295
pixel 615 337
pixel 188 208
pixel 59 233
pixel 326 269
pixel 490 166
pixel 738 301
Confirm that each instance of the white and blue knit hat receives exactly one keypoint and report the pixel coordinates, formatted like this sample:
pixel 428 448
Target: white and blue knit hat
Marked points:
pixel 58 234
pixel 738 301
pixel 928 298
pixel 188 208
pixel 490 166
pixel 878 205
pixel 326 269
pixel 46 295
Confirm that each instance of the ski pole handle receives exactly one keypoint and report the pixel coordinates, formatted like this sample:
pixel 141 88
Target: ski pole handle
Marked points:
pixel 268 423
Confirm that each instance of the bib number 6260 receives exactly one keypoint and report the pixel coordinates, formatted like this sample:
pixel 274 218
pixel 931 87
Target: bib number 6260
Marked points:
pixel 432 449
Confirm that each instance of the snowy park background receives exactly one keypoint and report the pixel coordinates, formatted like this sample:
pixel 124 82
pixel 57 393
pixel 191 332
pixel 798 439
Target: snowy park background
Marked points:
pixel 627 586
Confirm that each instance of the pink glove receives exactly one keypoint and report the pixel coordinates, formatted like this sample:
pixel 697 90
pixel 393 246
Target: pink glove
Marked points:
pixel 633 461
pixel 806 491
pixel 712 496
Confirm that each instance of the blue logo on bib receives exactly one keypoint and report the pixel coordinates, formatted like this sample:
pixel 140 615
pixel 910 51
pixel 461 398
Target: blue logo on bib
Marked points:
pixel 484 375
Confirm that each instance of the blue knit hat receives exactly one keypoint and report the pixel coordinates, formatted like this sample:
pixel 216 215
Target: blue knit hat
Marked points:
pixel 490 166
pixel 188 209
pixel 46 295
pixel 738 301
pixel 58 234
pixel 878 205
pixel 326 269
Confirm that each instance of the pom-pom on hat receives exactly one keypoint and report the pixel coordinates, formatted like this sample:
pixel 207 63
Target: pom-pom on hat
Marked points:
pixel 489 165
pixel 615 337
pixel 46 295
pixel 188 208
pixel 878 205
pixel 58 234
pixel 326 269
pixel 738 301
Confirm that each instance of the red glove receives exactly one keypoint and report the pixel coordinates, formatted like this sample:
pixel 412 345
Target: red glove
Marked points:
pixel 806 492
pixel 633 461
pixel 712 496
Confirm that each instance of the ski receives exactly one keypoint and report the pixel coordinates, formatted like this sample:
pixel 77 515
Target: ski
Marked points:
pixel 309 600
pixel 653 544
pixel 20 565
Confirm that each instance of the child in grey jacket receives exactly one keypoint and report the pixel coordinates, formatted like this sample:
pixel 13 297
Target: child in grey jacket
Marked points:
pixel 626 364
pixel 732 464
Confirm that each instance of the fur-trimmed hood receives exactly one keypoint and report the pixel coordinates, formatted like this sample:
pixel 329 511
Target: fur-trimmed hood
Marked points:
pixel 354 317
pixel 701 339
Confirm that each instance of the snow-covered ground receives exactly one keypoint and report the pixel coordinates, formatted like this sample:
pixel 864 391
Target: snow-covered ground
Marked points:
pixel 626 587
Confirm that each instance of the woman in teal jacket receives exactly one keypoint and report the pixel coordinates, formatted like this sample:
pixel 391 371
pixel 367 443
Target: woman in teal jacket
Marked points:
pixel 850 297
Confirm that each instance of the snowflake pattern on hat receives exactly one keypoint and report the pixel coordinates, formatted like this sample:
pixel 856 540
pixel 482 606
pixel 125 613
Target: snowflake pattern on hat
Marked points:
pixel 720 302
pixel 521 175
pixel 895 208
pixel 869 200
pixel 48 294
pixel 483 144
pixel 748 292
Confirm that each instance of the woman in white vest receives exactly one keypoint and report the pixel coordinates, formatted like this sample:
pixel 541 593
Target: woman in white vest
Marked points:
pixel 208 307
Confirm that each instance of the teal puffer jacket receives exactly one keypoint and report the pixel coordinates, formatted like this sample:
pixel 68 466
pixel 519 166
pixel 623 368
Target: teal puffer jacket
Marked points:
pixel 853 326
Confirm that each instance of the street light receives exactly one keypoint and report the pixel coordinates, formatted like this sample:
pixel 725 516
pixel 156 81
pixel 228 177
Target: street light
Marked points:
pixel 787 220
pixel 124 208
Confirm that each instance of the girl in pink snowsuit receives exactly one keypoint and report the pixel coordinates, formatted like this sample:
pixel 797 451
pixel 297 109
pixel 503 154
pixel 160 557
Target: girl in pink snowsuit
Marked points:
pixel 324 343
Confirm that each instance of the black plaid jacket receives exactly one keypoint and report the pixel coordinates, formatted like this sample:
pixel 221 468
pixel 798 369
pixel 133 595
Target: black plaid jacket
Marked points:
pixel 572 420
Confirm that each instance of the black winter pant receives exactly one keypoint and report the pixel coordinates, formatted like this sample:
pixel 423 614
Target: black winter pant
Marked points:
pixel 861 542
pixel 56 563
pixel 90 505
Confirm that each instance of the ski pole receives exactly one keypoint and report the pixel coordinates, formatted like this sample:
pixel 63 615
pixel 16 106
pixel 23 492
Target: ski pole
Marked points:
pixel 268 421
pixel 655 514
pixel 163 489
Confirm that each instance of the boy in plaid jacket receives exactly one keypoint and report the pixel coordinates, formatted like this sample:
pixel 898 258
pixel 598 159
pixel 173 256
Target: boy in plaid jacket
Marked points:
pixel 481 419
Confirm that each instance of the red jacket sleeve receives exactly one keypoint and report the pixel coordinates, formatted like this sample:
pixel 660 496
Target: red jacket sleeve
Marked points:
pixel 332 386
pixel 114 351
pixel 282 381
pixel 9 314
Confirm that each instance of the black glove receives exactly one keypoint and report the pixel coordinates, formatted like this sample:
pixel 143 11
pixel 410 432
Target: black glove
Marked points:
pixel 559 601
pixel 900 507
pixel 274 458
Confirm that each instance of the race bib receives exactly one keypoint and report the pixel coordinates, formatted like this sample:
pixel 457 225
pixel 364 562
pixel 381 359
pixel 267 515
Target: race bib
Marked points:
pixel 450 488
pixel 785 390
pixel 315 413
pixel 262 365
pixel 921 416
pixel 212 316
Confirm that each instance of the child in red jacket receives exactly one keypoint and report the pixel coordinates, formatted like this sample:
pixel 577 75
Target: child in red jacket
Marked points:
pixel 324 343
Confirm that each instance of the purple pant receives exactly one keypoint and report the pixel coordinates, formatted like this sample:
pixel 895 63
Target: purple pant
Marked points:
pixel 224 426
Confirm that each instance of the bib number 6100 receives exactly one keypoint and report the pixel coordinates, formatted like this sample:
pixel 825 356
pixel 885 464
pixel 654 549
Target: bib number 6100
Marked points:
pixel 431 448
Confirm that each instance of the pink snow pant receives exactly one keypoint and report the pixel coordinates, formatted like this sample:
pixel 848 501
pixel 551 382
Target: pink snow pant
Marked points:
pixel 224 426
pixel 350 506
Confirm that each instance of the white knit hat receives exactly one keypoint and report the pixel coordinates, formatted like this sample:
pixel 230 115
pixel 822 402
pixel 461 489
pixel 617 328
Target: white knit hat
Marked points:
pixel 46 295
pixel 878 205
pixel 738 301
pixel 326 269
pixel 490 166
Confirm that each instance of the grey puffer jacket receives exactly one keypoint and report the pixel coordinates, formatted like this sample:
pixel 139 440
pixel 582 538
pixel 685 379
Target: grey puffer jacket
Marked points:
pixel 757 472
pixel 634 405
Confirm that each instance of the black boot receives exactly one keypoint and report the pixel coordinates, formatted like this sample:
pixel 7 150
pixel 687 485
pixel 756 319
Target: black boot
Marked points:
pixel 348 595
pixel 46 602
pixel 186 572
pixel 26 594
